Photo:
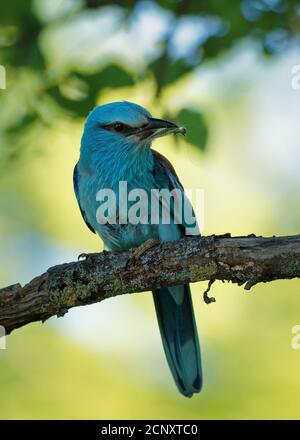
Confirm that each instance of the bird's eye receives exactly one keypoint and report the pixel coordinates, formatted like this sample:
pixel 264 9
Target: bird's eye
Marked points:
pixel 118 126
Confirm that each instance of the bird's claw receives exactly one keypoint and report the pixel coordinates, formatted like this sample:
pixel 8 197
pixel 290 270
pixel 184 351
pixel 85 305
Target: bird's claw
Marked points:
pixel 140 250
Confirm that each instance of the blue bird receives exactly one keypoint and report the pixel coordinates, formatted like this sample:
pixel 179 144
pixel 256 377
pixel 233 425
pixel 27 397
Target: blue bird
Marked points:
pixel 116 147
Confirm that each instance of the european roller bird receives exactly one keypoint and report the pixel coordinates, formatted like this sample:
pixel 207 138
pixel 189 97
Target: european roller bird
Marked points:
pixel 116 146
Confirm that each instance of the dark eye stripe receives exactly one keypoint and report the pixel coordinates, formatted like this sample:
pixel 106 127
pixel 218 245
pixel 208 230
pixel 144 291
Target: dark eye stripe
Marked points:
pixel 114 126
pixel 119 127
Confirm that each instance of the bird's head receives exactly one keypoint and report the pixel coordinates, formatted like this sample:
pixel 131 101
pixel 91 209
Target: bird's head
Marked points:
pixel 126 124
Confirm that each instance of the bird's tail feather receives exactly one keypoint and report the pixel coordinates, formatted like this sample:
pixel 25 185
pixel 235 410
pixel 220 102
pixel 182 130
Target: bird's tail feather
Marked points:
pixel 175 315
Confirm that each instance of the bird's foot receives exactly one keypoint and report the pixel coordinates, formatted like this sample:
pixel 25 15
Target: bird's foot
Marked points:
pixel 140 250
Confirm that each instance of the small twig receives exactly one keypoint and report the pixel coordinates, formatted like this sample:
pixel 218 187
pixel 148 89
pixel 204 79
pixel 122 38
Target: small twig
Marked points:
pixel 209 299
pixel 250 283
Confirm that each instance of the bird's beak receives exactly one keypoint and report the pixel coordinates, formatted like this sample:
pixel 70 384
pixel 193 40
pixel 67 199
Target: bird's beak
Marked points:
pixel 157 128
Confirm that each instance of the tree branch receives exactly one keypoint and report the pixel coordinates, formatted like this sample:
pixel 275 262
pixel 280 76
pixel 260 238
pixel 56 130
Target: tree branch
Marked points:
pixel 240 260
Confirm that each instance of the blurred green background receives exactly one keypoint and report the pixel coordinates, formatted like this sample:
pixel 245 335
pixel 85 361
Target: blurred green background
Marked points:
pixel 223 69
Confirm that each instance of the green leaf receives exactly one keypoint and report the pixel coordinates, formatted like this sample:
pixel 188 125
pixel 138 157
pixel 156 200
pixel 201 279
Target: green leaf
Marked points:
pixel 166 71
pixel 22 125
pixel 195 124
pixel 80 102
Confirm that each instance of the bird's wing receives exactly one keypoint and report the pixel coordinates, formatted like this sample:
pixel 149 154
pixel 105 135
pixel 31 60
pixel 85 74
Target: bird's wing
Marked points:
pixel 165 177
pixel 76 178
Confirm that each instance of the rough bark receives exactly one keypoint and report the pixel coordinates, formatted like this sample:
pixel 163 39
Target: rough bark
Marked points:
pixel 242 260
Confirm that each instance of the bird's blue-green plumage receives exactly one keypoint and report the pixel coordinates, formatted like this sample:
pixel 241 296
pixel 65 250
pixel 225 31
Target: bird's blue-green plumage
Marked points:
pixel 109 155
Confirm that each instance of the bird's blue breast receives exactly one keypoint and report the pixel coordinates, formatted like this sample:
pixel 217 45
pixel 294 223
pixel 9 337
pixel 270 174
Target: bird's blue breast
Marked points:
pixel 106 173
